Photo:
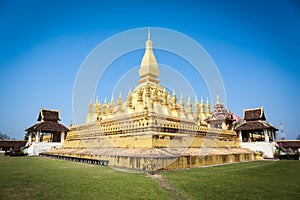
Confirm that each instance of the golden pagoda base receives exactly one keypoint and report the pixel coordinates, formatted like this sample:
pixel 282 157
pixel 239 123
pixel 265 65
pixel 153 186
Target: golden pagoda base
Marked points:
pixel 149 160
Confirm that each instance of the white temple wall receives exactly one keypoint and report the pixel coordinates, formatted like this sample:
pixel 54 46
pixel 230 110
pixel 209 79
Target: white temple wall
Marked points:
pixel 266 147
pixel 38 147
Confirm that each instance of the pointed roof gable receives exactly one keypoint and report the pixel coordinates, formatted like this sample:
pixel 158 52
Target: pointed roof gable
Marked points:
pixel 48 115
pixel 254 114
pixel 48 122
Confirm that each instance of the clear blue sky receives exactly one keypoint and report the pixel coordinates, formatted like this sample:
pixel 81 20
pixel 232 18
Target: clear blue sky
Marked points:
pixel 255 45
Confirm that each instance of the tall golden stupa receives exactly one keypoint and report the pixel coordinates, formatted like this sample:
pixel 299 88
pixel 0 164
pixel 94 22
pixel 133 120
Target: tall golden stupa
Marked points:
pixel 153 129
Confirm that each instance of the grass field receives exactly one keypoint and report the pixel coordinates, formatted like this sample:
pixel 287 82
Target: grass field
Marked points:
pixel 42 178
pixel 252 180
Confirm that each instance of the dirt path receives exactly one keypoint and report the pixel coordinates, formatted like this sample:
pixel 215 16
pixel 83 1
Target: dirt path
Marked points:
pixel 175 194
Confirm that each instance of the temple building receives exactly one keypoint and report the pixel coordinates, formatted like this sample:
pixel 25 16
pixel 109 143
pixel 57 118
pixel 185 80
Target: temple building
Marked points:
pixel 220 117
pixel 153 129
pixel 47 133
pixel 256 133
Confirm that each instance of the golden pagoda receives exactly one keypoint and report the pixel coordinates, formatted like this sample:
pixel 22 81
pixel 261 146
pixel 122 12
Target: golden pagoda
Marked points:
pixel 152 129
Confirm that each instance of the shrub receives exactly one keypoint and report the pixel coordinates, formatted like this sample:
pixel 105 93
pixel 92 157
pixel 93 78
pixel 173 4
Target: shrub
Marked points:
pixel 289 157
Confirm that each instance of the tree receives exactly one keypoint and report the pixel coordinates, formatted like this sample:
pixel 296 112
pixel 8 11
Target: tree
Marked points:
pixel 298 137
pixel 5 137
pixel 26 136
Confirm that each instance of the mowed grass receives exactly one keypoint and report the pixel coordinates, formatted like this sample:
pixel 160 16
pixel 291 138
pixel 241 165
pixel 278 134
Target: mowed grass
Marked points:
pixel 252 180
pixel 42 178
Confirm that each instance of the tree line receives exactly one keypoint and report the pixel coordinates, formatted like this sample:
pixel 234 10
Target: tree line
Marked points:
pixel 6 137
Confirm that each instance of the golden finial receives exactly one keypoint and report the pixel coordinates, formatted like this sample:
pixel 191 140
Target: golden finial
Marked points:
pixel 111 105
pixel 91 106
pixel 196 106
pixel 181 103
pixel 207 107
pixel 120 97
pixel 129 100
pixel 97 106
pixel 190 109
pixel 148 33
pixel 112 99
pixel 202 106
pixel 104 107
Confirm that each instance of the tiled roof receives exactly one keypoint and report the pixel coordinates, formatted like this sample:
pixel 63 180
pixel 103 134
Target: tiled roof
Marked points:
pixel 12 143
pixel 48 127
pixel 48 115
pixel 254 114
pixel 254 125
pixel 289 143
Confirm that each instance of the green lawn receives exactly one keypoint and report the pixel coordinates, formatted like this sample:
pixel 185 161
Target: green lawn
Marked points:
pixel 253 180
pixel 42 178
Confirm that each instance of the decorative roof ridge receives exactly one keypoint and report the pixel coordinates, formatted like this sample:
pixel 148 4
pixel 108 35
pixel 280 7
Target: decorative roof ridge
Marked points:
pixel 249 109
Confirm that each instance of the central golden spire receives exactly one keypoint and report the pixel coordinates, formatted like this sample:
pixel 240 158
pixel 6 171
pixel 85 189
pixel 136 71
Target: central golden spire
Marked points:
pixel 149 68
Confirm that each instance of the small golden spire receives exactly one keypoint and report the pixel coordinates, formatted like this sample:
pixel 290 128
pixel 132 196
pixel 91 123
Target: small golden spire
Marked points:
pixel 202 106
pixel 190 106
pixel 91 106
pixel 181 103
pixel 207 107
pixel 111 105
pixel 181 100
pixel 120 104
pixel 174 99
pixel 104 109
pixel 196 106
pixel 97 106
pixel 129 100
